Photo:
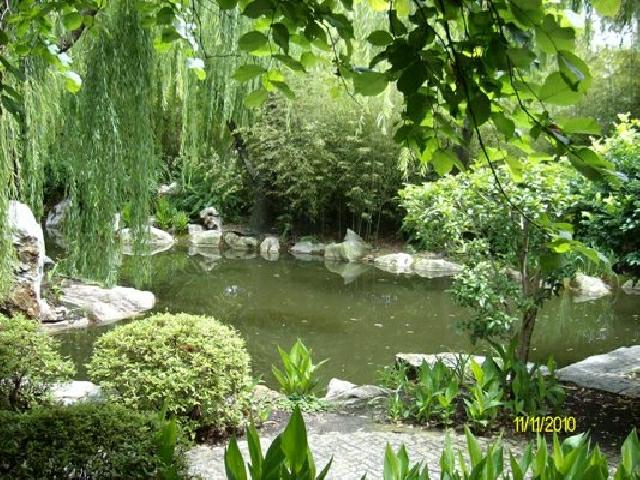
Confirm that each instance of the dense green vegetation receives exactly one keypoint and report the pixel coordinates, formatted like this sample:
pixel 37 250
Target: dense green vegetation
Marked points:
pixel 193 366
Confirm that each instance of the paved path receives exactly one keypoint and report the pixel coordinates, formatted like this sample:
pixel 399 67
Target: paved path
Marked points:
pixel 356 449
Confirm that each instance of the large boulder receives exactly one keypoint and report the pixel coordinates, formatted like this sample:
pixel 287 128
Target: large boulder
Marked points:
pixel 395 263
pixel 352 249
pixel 346 393
pixel 435 267
pixel 307 247
pixel 202 238
pixel 106 305
pixel 28 269
pixel 240 243
pixel 211 219
pixel 589 288
pixel 270 248
pixel 168 189
pixel 616 372
pixel 157 241
pixel 631 288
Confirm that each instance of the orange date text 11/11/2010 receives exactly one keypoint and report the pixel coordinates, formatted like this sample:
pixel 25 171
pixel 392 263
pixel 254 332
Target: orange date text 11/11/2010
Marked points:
pixel 546 424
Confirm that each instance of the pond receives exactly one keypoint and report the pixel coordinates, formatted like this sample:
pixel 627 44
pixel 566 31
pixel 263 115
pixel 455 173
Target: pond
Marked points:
pixel 356 315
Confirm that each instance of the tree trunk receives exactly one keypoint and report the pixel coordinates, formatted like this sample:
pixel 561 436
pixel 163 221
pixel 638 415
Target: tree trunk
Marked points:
pixel 526 332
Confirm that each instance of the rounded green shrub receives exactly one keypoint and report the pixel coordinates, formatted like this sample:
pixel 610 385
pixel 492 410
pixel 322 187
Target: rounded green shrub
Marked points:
pixel 194 366
pixel 29 364
pixel 85 441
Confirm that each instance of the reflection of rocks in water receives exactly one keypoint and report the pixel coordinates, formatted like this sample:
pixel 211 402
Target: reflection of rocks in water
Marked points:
pixel 156 241
pixel 211 257
pixel 307 257
pixel 239 255
pixel 348 271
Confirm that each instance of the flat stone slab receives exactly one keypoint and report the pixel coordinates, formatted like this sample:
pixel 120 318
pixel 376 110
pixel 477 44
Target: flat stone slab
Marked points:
pixel 107 305
pixel 616 372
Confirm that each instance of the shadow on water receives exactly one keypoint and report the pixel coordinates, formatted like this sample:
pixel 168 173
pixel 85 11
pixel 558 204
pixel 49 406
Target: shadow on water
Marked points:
pixel 356 315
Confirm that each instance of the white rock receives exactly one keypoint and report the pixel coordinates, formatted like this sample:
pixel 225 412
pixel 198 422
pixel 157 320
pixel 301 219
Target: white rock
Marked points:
pixel 352 249
pixel 239 243
pixel 75 391
pixel 341 391
pixel 106 305
pixel 270 246
pixel 617 372
pixel 630 289
pixel 211 219
pixel 205 238
pixel 395 263
pixel 192 228
pixel 28 242
pixel 157 241
pixel 307 248
pixel 435 267
pixel 589 288
pixel 55 219
pixel 170 189
pixel 348 271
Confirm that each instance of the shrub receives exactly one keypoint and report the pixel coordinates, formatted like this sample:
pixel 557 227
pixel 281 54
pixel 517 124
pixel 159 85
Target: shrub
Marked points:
pixel 29 364
pixel 298 377
pixel 195 366
pixel 84 441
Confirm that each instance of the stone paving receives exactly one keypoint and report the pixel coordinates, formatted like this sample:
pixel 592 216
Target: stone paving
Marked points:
pixel 356 449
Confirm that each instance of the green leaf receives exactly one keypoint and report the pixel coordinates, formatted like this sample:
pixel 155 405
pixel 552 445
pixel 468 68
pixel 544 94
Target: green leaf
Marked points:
pixel 233 462
pixel 443 161
pixel 165 16
pixel 294 441
pixel 256 98
pixel 521 57
pixel 244 73
pixel 583 125
pixel 480 105
pixel 608 8
pixel 257 8
pixel 369 84
pixel 252 41
pixel 574 71
pixel 285 89
pixel 505 125
pixel 72 21
pixel 391 465
pixel 412 78
pixel 551 37
pixel 72 82
pixel 556 91
pixel 227 4
pixel 308 59
pixel 380 38
pixel 281 36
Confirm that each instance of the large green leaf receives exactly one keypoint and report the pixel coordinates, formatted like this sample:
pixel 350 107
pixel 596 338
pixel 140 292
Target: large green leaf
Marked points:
pixel 281 36
pixel 256 98
pixel 72 21
pixel 557 91
pixel 369 84
pixel 252 41
pixel 574 71
pixel 608 8
pixel 584 125
pixel 442 161
pixel 227 4
pixel 244 73
pixel 380 38
pixel 294 441
pixel 257 8
pixel 551 37
pixel 504 124
pixel 233 462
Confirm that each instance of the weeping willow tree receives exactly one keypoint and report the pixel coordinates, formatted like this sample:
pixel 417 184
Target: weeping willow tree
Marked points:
pixel 107 145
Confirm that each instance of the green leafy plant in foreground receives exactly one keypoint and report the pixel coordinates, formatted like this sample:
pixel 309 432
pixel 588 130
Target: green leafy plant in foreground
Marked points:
pixel 485 394
pixel 297 378
pixel 396 466
pixel 288 457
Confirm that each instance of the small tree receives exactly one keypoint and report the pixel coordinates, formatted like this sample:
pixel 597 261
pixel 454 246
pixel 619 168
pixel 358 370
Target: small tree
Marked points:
pixel 501 227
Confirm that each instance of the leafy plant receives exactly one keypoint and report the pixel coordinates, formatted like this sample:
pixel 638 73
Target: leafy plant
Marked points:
pixel 298 376
pixel 485 394
pixel 89 440
pixel 396 466
pixel 288 456
pixel 168 217
pixel 629 466
pixel 29 364
pixel 194 365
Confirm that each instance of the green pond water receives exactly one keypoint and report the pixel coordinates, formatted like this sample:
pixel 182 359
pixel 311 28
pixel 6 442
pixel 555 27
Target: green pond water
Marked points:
pixel 359 317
